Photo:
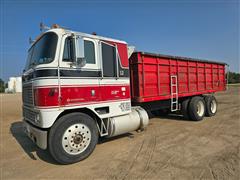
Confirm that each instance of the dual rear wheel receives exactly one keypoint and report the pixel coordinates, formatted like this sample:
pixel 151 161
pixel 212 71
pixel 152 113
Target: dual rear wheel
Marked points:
pixel 197 107
pixel 211 105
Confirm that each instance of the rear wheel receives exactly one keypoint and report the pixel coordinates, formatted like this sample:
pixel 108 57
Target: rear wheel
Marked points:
pixel 196 108
pixel 211 105
pixel 73 138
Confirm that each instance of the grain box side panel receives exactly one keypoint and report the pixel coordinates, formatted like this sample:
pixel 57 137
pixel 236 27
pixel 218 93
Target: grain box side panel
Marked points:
pixel 152 76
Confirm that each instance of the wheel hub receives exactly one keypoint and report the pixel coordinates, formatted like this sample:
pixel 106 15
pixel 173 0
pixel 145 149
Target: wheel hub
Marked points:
pixel 213 106
pixel 76 139
pixel 200 108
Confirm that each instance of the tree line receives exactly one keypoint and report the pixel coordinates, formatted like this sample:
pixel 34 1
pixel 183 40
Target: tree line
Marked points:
pixel 2 86
pixel 233 77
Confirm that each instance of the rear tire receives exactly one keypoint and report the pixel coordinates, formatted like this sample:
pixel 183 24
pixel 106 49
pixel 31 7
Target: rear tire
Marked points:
pixel 72 138
pixel 196 108
pixel 184 109
pixel 211 105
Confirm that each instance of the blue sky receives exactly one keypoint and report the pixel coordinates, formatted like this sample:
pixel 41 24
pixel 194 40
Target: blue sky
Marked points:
pixel 199 29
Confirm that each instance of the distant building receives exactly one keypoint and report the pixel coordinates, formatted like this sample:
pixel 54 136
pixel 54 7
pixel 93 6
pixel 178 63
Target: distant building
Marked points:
pixel 14 85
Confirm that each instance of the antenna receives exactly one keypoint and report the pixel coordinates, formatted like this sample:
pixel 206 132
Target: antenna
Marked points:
pixel 43 27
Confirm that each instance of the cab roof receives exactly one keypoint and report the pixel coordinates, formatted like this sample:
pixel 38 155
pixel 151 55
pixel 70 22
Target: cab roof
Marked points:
pixel 61 31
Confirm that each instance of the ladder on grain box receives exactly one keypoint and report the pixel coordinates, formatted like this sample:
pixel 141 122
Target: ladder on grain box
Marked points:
pixel 174 93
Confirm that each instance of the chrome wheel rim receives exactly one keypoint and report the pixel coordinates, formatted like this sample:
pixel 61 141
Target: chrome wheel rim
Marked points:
pixel 76 139
pixel 213 106
pixel 200 108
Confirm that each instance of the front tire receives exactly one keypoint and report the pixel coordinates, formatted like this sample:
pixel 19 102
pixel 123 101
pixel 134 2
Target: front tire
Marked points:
pixel 72 138
pixel 197 108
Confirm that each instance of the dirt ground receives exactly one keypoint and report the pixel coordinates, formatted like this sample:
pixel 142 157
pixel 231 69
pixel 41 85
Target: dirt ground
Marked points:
pixel 170 148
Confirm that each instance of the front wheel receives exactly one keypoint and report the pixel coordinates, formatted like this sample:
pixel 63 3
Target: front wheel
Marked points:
pixel 73 138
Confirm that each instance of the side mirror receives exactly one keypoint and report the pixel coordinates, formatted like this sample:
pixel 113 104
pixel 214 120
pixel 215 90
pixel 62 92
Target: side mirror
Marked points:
pixel 80 58
pixel 80 62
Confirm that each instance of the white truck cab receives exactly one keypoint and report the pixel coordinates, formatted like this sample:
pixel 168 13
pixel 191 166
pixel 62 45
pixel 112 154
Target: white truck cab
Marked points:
pixel 76 87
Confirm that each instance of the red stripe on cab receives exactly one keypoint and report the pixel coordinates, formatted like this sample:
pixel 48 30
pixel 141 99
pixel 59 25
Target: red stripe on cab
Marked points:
pixel 74 95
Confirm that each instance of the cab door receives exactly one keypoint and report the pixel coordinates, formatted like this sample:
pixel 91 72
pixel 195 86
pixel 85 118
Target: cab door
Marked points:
pixel 114 90
pixel 80 85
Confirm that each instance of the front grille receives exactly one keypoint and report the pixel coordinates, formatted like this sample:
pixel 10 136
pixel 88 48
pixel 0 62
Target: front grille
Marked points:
pixel 29 114
pixel 27 94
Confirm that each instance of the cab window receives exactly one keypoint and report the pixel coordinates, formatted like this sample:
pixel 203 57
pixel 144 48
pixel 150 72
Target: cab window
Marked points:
pixel 109 60
pixel 89 52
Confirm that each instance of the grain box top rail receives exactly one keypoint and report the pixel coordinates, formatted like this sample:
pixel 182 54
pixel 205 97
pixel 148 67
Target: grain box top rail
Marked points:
pixel 179 58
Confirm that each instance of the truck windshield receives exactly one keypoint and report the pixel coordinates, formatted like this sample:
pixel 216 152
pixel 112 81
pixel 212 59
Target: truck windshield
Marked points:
pixel 43 51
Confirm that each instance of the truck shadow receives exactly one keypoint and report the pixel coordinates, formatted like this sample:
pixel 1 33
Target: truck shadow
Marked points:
pixel 28 146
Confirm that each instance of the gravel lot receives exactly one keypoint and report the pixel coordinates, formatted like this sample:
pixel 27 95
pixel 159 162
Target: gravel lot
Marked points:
pixel 170 148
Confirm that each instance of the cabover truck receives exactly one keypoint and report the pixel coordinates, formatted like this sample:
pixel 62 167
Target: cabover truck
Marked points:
pixel 79 87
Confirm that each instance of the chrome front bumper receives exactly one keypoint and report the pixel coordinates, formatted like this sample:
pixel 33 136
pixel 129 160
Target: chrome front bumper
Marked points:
pixel 36 135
